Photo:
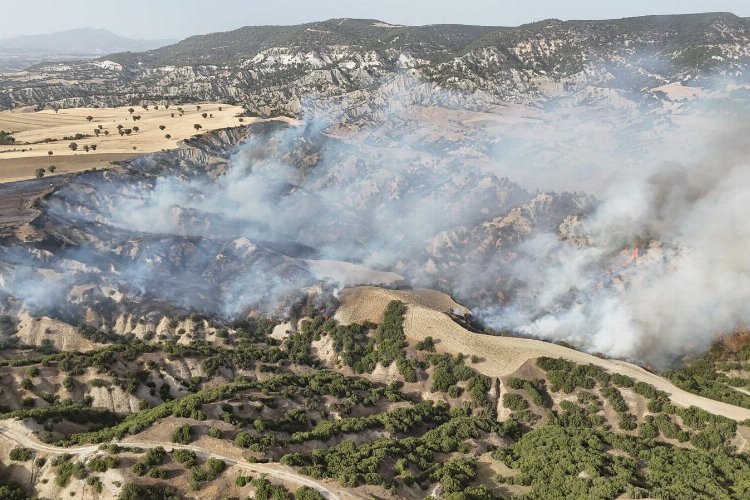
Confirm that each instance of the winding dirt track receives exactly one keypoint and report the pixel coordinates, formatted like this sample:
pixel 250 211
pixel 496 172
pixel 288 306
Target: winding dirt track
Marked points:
pixel 277 471
pixel 500 356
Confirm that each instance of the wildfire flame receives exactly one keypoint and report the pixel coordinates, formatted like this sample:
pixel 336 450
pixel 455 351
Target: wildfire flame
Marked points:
pixel 631 258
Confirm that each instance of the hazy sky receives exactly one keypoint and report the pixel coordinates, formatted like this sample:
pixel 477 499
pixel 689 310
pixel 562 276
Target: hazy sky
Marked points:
pixel 182 18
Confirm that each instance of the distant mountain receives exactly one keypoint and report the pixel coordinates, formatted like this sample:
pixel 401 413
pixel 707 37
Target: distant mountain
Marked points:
pixel 82 41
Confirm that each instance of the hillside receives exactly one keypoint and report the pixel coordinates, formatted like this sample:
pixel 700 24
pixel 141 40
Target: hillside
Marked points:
pixel 272 69
pixel 351 409
pixel 350 260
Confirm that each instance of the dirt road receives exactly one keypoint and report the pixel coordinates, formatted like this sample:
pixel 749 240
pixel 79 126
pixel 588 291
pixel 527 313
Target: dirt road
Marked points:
pixel 15 432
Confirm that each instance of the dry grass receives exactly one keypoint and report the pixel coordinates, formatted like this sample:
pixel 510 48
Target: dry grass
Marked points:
pixel 30 128
pixel 18 169
pixel 499 356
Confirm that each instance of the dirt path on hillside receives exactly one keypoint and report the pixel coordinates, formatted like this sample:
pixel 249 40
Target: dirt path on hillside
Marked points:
pixel 14 430
pixel 499 356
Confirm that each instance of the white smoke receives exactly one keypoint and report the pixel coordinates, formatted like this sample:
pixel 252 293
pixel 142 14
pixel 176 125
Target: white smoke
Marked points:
pixel 690 282
pixel 385 194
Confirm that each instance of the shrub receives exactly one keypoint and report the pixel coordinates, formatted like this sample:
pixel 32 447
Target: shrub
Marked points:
pixel 182 434
pixel 514 402
pixel 158 473
pixel 67 470
pixel 101 464
pixel 615 399
pixel 648 430
pixel 20 454
pixel 185 457
pixel 155 456
pixel 215 466
pixel 132 491
pixel 307 493
pixel 389 335
pixel 455 474
pixel 95 484
pixel 455 391
pixel 627 421
pixel 406 368
pixel 265 490
pixel 535 389
pixel 621 380
pixel 426 344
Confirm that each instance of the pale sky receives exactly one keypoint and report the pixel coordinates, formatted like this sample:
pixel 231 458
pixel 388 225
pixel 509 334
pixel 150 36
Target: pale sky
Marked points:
pixel 182 18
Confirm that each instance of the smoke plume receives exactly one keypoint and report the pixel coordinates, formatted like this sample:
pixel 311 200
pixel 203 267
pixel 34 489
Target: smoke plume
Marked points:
pixel 652 268
pixel 690 281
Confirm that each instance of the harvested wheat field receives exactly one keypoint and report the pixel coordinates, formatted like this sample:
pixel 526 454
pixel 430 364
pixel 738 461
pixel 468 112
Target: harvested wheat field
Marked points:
pixel 499 356
pixel 37 133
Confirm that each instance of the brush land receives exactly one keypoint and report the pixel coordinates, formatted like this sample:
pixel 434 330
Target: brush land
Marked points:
pixel 390 397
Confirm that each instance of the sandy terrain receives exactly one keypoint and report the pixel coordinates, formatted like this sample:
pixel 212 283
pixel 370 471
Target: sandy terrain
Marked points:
pixel 30 128
pixel 499 356
pixel 65 337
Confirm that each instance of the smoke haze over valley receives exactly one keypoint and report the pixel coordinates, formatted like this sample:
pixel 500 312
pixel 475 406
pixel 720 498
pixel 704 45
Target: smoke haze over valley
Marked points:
pixel 647 269
pixel 355 259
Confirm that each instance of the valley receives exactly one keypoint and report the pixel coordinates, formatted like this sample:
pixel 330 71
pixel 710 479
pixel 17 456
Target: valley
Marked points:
pixel 353 259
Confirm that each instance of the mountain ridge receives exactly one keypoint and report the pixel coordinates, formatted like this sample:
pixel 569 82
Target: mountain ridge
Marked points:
pixel 271 70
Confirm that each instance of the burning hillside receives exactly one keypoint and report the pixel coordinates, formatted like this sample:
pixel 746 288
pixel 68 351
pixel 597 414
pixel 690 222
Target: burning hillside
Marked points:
pixel 272 217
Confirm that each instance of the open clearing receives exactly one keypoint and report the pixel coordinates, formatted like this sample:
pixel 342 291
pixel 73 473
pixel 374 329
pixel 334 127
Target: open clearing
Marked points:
pixel 39 132
pixel 499 356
